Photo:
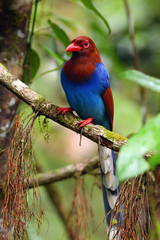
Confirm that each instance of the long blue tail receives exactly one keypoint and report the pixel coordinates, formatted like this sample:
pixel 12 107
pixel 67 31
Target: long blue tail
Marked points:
pixel 110 186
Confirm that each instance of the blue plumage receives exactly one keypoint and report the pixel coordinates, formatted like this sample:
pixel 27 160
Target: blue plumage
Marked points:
pixel 86 98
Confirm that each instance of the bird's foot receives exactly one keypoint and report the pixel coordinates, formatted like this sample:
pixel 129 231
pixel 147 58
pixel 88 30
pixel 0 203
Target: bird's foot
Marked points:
pixel 85 122
pixel 64 110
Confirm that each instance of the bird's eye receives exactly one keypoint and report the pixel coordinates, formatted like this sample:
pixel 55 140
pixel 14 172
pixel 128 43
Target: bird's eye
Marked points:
pixel 86 44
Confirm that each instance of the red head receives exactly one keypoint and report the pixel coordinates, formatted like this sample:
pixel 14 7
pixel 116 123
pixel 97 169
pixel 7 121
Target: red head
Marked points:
pixel 84 46
pixel 84 57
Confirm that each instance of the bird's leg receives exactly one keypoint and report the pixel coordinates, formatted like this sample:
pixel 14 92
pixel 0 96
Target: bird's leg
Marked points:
pixel 85 122
pixel 64 110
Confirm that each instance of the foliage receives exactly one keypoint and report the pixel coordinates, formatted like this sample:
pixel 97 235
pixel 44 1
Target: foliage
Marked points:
pixel 88 4
pixel 31 66
pixel 131 159
pixel 142 79
pixel 60 34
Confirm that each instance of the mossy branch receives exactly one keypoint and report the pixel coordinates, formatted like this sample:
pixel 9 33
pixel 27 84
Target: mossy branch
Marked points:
pixel 39 104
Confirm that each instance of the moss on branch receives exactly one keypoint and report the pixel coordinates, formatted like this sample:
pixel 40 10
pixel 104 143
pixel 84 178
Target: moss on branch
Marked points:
pixel 39 104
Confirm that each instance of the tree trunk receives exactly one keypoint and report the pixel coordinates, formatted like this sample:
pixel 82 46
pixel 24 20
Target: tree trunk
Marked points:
pixel 14 23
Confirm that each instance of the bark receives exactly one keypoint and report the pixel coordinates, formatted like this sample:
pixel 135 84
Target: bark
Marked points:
pixel 14 16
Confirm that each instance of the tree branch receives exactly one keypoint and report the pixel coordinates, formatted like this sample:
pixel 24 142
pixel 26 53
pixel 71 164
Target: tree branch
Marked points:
pixel 74 170
pixel 39 104
pixel 69 171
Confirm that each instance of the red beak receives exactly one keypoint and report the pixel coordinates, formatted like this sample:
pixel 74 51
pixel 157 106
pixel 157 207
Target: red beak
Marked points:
pixel 73 48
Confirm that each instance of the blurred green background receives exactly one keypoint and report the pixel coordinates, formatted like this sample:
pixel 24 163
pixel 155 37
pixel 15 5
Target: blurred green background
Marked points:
pixel 57 146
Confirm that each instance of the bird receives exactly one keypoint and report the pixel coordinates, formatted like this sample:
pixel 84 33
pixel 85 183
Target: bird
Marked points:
pixel 86 84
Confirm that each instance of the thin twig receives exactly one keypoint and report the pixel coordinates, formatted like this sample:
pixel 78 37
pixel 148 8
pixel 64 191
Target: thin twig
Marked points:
pixel 143 90
pixel 131 35
pixel 27 60
pixel 33 22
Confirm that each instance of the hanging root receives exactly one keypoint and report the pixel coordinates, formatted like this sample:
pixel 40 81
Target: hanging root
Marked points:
pixel 133 203
pixel 20 167
pixel 78 216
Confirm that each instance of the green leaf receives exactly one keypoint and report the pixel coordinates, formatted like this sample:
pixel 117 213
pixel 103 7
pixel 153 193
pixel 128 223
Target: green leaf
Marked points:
pixel 131 162
pixel 142 79
pixel 155 160
pixel 53 55
pixel 60 33
pixel 32 65
pixel 88 4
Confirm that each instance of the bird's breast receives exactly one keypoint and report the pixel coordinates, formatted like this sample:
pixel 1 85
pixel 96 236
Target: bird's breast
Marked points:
pixel 85 99
pixel 79 71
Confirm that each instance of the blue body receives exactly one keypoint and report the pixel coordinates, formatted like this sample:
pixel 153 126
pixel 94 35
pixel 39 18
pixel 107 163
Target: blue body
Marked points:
pixel 86 98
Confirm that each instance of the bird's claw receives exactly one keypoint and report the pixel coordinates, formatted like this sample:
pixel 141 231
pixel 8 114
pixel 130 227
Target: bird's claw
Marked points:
pixel 64 110
pixel 85 122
